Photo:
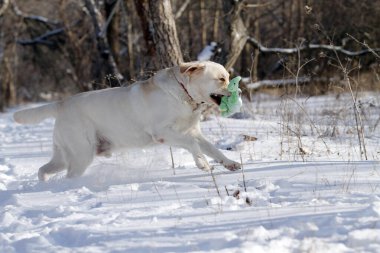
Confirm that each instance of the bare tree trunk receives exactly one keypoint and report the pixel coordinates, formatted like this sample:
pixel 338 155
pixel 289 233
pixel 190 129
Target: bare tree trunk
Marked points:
pixel 2 83
pixel 255 64
pixel 4 6
pixel 292 8
pixel 203 23
pixel 245 59
pixel 131 57
pixel 191 31
pixel 164 31
pixel 7 75
pixel 113 29
pixel 301 30
pixel 236 30
pixel 74 52
pixel 298 19
pixel 107 64
pixel 8 90
pixel 143 13
pixel 216 21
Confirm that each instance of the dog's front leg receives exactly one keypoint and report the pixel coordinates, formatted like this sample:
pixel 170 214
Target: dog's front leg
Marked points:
pixel 188 142
pixel 209 150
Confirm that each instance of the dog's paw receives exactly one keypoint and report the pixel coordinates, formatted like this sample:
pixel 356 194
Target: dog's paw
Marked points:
pixel 42 176
pixel 205 167
pixel 202 164
pixel 231 165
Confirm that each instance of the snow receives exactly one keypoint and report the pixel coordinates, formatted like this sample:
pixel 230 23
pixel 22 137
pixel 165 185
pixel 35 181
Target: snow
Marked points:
pixel 305 187
pixel 207 52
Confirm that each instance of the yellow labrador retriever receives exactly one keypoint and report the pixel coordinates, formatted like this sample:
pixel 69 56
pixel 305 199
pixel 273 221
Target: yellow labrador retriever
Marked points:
pixel 164 109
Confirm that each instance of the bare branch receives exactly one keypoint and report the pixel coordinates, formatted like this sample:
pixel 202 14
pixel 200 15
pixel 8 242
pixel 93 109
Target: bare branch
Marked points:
pixel 109 64
pixel 365 45
pixel 257 5
pixel 1 49
pixel 105 27
pixel 40 19
pixel 182 9
pixel 42 39
pixel 295 50
pixel 284 82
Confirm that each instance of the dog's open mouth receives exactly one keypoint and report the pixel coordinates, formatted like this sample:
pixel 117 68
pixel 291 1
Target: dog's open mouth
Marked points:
pixel 217 98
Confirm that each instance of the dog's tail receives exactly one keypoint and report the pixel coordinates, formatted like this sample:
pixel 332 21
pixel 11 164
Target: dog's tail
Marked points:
pixel 36 115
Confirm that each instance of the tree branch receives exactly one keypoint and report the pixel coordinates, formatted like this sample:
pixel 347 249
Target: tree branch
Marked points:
pixel 181 9
pixel 42 39
pixel 108 63
pixel 40 19
pixel 252 41
pixel 110 17
pixel 283 82
pixel 257 5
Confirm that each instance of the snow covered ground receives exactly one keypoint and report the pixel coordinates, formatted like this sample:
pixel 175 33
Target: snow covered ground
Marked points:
pixel 306 187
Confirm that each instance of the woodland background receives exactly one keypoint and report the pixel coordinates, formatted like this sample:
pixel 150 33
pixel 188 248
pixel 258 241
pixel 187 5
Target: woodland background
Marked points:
pixel 51 49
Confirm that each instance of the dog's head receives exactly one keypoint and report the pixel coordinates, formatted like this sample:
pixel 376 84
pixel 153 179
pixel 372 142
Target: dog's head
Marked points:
pixel 205 81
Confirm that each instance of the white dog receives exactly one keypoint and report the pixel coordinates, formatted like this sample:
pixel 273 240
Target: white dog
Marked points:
pixel 164 109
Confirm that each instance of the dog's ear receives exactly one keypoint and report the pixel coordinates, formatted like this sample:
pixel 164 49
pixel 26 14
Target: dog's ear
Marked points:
pixel 190 68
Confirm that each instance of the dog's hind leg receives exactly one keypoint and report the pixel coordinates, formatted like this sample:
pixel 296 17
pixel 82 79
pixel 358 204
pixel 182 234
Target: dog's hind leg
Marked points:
pixel 56 164
pixel 81 152
pixel 103 146
pixel 77 141
pixel 79 160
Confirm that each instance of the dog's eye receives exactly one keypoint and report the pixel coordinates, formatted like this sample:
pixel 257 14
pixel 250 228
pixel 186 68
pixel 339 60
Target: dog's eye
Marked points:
pixel 222 79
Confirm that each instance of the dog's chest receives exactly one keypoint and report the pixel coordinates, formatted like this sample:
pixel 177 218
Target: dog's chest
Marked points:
pixel 184 124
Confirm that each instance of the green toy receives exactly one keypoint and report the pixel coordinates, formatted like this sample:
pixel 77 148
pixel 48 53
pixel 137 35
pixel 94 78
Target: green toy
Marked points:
pixel 231 104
